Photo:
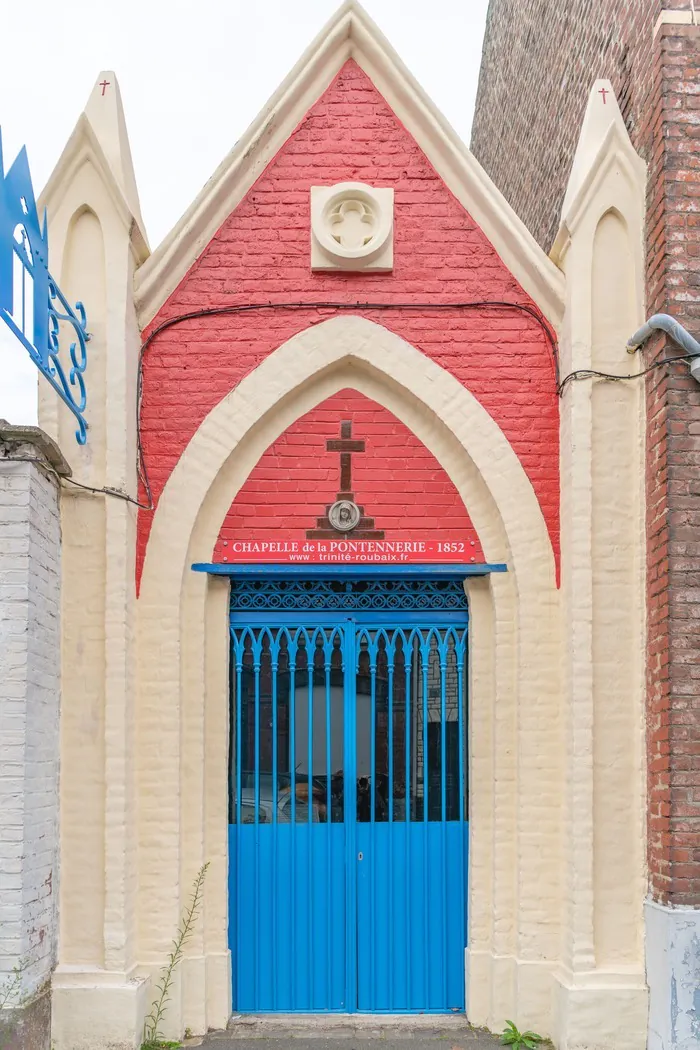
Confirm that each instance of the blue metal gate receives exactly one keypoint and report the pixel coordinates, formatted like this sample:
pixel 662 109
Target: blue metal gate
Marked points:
pixel 348 802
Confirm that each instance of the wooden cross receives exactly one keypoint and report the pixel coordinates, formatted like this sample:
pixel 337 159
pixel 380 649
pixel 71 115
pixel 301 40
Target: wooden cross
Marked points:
pixel 346 445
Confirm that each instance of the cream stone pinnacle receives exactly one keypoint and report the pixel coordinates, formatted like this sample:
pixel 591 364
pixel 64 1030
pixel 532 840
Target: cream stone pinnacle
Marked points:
pixel 105 112
pixel 602 114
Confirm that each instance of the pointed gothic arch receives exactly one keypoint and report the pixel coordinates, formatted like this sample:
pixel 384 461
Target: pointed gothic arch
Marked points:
pixel 351 351
pixel 183 646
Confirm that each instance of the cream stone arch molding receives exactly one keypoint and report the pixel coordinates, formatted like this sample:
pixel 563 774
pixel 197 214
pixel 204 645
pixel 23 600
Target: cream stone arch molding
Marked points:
pixel 356 341
pixel 182 629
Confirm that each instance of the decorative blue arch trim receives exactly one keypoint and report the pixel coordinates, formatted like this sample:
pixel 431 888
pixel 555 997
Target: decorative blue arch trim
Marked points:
pixel 250 595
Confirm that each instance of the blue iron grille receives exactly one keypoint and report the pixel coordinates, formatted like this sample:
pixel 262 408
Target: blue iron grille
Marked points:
pixel 261 595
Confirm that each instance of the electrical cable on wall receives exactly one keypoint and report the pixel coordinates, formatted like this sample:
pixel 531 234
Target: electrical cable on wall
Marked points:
pixel 575 376
pixel 591 373
pixel 104 491
pixel 217 311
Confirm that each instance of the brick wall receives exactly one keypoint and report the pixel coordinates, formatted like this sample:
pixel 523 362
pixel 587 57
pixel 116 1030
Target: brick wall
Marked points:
pixel 29 708
pixel 261 254
pixel 540 60
pixel 396 480
pixel 673 475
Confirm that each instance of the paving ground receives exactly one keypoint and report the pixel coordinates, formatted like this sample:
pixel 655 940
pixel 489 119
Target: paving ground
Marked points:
pixel 343 1033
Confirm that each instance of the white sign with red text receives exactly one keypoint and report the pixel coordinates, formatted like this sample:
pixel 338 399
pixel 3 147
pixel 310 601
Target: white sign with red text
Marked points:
pixel 348 550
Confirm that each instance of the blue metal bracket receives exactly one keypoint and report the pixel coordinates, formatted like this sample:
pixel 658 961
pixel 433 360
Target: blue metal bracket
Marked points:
pixel 31 304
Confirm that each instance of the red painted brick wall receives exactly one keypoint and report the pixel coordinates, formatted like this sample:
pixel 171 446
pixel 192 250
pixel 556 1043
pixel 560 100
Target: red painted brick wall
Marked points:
pixel 261 254
pixel 396 480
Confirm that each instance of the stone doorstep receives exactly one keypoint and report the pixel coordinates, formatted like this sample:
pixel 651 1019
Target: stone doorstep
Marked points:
pixel 388 1028
pixel 303 1022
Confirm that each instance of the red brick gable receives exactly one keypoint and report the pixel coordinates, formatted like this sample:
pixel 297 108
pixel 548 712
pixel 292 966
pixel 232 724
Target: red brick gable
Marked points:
pixel 261 254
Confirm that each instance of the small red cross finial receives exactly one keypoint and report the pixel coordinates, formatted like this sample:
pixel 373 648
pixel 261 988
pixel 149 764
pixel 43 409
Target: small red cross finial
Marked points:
pixel 104 84
pixel 603 92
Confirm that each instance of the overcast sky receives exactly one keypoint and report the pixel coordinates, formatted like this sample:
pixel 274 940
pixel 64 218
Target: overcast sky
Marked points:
pixel 193 75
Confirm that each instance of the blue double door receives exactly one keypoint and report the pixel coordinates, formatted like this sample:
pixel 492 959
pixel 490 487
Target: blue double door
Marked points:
pixel 348 814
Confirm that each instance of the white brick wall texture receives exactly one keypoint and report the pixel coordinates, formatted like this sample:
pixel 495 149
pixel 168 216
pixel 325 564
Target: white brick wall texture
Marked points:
pixel 29 708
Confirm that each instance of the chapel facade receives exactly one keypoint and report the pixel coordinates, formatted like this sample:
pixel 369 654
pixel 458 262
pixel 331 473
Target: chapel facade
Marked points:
pixel 372 645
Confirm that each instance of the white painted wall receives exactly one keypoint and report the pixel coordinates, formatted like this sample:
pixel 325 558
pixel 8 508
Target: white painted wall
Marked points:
pixel 29 709
pixel 673 975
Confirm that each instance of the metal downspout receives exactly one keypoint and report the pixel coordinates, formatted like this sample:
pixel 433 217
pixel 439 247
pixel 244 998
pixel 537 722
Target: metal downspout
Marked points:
pixel 679 334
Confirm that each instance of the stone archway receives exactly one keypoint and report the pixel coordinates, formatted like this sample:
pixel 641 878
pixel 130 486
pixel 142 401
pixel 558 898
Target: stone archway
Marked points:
pixel 181 710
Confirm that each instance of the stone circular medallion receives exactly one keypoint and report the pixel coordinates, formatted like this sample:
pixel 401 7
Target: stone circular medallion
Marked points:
pixel 352 222
pixel 344 515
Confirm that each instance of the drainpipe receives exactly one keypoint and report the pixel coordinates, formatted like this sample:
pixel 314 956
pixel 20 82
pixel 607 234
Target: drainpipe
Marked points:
pixel 679 334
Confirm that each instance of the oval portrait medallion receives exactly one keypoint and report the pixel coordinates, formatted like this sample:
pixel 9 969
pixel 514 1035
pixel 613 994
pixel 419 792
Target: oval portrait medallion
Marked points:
pixel 344 515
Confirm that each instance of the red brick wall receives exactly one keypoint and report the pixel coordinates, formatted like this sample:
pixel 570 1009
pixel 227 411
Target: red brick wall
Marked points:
pixel 396 480
pixel 261 254
pixel 673 475
pixel 540 60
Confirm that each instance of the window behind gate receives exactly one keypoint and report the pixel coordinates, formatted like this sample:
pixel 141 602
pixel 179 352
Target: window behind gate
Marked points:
pixel 305 654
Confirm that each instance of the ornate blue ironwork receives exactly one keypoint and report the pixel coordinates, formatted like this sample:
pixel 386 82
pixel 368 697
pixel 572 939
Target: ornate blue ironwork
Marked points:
pixel 31 303
pixel 347 595
pixel 348 803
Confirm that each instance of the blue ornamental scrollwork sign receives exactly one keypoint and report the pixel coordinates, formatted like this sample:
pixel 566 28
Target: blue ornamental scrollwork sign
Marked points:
pixel 31 304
